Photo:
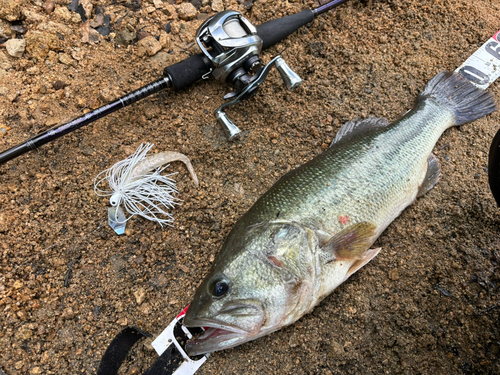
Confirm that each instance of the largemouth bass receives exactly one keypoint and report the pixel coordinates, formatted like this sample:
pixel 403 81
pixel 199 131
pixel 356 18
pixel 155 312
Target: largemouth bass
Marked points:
pixel 314 228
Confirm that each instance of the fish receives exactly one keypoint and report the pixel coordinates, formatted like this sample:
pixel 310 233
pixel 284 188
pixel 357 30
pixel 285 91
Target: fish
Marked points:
pixel 315 227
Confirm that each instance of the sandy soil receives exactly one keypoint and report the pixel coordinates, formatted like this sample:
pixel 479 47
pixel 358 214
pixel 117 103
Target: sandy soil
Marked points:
pixel 428 304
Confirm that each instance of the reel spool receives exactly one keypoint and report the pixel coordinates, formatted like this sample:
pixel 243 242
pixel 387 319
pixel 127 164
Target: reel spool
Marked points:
pixel 232 45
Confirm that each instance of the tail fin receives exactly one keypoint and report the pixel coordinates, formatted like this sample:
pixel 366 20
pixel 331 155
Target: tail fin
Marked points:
pixel 465 100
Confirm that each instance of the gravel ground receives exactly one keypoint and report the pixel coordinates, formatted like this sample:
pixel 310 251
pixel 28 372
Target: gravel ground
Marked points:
pixel 428 304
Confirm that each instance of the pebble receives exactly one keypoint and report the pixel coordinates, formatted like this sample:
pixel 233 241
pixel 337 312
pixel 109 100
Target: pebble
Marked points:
pixel 10 10
pixel 169 11
pixel 48 6
pixel 38 44
pixel 158 4
pixel 148 46
pixel 125 37
pixel 217 5
pixel 63 13
pixel 65 59
pixel 4 62
pixel 19 29
pixel 164 39
pixel 15 47
pixel 123 322
pixel 186 11
pixel 5 30
pixel 140 295
pixel 18 284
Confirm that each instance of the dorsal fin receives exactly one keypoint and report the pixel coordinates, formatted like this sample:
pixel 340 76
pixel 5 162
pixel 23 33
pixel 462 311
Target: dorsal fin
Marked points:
pixel 359 126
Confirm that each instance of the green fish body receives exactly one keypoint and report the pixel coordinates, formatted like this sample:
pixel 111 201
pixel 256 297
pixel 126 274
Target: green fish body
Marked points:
pixel 314 228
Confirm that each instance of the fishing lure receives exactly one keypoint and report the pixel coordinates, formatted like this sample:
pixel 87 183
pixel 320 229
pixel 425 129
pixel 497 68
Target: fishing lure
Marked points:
pixel 137 184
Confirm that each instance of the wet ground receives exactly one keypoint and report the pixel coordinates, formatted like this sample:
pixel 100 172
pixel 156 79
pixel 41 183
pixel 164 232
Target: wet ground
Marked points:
pixel 428 304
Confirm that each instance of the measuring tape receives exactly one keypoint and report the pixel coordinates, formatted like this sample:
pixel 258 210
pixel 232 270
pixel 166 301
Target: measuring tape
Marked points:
pixel 483 67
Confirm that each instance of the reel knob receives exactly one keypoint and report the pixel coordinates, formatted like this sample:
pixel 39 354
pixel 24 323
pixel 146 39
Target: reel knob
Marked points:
pixel 290 78
pixel 230 130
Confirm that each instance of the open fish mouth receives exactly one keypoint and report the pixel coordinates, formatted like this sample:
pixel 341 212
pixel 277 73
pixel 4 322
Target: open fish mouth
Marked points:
pixel 217 336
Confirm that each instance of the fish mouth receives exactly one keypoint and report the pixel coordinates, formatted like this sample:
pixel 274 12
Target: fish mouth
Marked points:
pixel 219 334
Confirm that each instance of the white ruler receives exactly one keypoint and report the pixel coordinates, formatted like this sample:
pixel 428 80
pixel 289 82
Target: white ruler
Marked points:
pixel 483 67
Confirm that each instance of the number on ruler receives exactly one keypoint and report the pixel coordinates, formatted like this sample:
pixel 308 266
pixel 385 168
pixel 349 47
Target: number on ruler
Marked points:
pixel 474 75
pixel 493 48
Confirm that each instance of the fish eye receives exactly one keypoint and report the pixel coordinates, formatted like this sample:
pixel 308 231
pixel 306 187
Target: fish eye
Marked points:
pixel 219 288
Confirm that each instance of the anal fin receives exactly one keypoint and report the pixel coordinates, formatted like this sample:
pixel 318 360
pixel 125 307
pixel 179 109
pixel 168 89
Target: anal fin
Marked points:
pixel 431 177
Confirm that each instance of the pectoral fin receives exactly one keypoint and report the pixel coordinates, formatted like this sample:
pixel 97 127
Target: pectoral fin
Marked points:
pixel 350 243
pixel 432 175
pixel 369 255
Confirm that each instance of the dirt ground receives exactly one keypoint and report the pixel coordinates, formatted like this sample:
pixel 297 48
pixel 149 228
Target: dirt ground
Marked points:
pixel 428 304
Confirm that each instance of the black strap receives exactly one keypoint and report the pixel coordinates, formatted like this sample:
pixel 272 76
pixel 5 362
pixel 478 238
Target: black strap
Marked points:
pixel 167 363
pixel 118 349
pixel 121 345
pixel 494 167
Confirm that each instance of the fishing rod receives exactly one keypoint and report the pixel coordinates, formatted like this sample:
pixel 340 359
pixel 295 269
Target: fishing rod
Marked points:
pixel 230 47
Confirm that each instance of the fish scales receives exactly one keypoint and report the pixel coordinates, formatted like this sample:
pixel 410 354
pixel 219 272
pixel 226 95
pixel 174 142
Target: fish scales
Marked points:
pixel 354 177
pixel 314 228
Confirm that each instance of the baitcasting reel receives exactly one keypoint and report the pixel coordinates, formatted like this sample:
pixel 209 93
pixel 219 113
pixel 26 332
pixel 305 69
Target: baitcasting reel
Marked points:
pixel 232 45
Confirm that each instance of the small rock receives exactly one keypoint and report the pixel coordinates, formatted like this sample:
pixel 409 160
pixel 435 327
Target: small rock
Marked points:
pixel 3 131
pixel 97 21
pixel 158 4
pixel 148 46
pixel 36 370
pixel 142 34
pixel 123 322
pixel 63 13
pixel 169 11
pixel 87 7
pixel 125 37
pixel 217 5
pixel 164 39
pixel 5 30
pixel 15 47
pixel 19 365
pixel 38 44
pixel 77 54
pixel 18 284
pixel 4 62
pixel 68 313
pixel 48 6
pixel 58 85
pixel 186 11
pixel 19 29
pixel 140 295
pixel 393 274
pixel 10 10
pixel 65 59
